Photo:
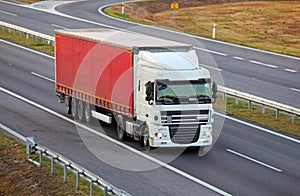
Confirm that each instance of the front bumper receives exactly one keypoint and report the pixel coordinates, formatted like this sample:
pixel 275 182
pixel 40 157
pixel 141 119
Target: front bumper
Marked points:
pixel 205 139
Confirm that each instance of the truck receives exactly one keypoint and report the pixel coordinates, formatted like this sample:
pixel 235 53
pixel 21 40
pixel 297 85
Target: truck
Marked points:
pixel 153 88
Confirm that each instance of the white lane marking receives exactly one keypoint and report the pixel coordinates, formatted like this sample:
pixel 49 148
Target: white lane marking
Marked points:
pixel 210 67
pixel 253 160
pixel 5 128
pixel 290 70
pixel 43 77
pixel 294 89
pixel 211 51
pixel 238 58
pixel 165 165
pixel 28 49
pixel 259 128
pixel 264 64
pixel 58 26
pixel 12 14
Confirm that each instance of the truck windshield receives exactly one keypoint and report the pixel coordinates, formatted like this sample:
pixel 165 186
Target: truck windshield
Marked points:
pixel 183 92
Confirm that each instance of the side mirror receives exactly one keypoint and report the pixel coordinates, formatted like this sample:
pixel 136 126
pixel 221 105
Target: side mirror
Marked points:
pixel 149 92
pixel 214 90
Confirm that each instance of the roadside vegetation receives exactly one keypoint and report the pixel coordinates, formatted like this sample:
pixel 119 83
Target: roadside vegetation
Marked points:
pixel 21 39
pixel 272 25
pixel 20 177
pixel 254 115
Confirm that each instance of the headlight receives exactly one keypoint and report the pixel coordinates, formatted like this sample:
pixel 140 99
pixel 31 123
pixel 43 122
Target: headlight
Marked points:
pixel 159 135
pixel 207 133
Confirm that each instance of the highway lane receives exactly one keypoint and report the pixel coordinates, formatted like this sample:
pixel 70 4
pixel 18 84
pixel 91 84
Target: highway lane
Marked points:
pixel 220 167
pixel 66 138
pixel 243 69
pixel 269 70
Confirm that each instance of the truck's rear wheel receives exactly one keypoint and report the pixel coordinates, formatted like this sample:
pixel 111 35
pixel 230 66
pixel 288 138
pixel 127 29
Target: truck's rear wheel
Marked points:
pixel 88 113
pixel 121 133
pixel 74 108
pixel 80 110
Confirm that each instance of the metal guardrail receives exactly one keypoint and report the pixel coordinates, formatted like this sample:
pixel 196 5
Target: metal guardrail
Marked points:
pixel 32 147
pixel 226 91
pixel 262 101
pixel 46 38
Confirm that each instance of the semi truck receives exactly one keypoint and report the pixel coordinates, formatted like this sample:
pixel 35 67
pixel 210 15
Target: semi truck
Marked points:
pixel 153 88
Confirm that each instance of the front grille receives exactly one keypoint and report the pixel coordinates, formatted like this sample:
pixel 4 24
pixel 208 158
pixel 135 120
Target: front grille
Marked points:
pixel 184 126
pixel 184 134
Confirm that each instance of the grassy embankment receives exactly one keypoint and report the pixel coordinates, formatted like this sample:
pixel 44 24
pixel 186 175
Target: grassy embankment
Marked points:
pixel 20 177
pixel 267 25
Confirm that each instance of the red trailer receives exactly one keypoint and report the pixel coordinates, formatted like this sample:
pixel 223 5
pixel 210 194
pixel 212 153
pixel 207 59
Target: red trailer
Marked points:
pixel 104 80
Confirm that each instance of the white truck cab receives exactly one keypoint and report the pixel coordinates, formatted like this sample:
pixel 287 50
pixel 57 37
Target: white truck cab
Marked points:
pixel 174 99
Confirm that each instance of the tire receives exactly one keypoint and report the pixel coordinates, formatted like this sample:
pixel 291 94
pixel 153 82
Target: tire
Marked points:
pixel 88 113
pixel 121 133
pixel 200 150
pixel 80 110
pixel 74 108
pixel 145 139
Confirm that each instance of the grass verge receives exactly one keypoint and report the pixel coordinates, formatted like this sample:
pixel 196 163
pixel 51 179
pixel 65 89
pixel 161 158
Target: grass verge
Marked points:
pixel 255 115
pixel 21 39
pixel 268 25
pixel 20 177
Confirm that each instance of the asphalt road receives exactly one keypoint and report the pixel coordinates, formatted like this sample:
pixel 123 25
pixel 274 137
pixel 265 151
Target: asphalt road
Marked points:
pixel 244 161
pixel 272 76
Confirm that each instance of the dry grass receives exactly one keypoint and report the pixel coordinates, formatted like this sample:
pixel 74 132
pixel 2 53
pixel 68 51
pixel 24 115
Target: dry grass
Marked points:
pixel 20 177
pixel 35 44
pixel 269 25
pixel 283 124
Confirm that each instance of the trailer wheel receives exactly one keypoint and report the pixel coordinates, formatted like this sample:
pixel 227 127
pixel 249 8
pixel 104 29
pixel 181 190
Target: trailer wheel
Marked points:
pixel 121 133
pixel 88 113
pixel 80 110
pixel 74 108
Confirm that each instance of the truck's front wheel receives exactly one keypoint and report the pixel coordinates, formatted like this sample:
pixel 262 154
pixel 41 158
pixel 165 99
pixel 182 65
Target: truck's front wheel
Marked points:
pixel 145 139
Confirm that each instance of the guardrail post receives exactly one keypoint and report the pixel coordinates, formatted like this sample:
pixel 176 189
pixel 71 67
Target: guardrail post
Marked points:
pixel 263 109
pixel 92 186
pixel 277 113
pixel 105 191
pixel 293 118
pixel 224 96
pixel 249 104
pixel 65 173
pixel 41 158
pixel 236 101
pixel 52 164
pixel 78 180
